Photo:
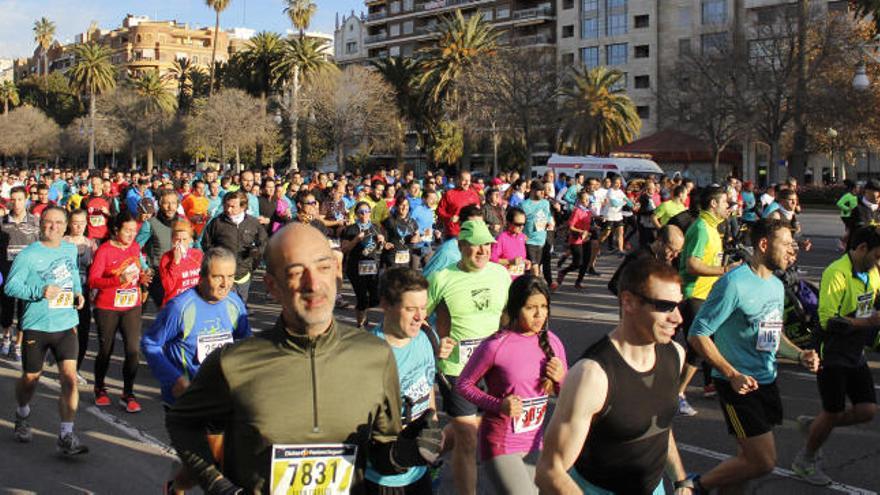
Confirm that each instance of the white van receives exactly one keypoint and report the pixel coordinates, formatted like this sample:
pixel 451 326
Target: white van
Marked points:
pixel 599 167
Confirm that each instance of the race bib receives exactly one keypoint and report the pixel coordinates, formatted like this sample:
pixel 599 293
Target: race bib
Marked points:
pixel 97 220
pixel 326 469
pixel 517 269
pixel 540 224
pixel 401 257
pixel 334 243
pixel 12 252
pixel 63 300
pixel 466 349
pixel 206 343
pixel 368 267
pixel 532 416
pixel 864 308
pixel 125 298
pixel 769 333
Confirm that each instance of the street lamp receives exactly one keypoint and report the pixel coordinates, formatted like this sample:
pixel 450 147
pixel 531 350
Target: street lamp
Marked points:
pixel 860 81
pixel 832 134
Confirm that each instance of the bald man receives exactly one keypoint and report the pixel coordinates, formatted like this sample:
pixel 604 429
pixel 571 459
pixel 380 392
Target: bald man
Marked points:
pixel 306 397
pixel 666 248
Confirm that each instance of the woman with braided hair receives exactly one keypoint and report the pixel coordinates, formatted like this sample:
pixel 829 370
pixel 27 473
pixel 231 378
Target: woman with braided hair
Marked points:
pixel 522 365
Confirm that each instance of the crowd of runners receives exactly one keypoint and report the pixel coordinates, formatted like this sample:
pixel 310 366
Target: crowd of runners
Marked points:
pixel 452 359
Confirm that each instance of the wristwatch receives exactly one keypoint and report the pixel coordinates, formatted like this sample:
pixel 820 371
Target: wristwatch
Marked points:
pixel 685 483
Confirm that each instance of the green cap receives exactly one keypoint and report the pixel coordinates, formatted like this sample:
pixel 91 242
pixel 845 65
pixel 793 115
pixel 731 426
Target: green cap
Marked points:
pixel 475 232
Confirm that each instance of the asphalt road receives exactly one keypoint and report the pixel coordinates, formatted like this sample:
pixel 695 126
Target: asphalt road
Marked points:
pixel 129 453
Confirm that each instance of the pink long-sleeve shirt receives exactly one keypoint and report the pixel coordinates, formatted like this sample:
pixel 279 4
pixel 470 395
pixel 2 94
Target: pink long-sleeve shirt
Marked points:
pixel 510 363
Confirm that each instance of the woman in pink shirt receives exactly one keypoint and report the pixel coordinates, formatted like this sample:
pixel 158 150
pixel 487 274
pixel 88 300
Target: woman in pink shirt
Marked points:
pixel 509 249
pixel 522 365
pixel 581 240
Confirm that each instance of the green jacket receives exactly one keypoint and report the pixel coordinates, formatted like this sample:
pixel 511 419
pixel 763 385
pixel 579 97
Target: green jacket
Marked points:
pixel 847 203
pixel 276 388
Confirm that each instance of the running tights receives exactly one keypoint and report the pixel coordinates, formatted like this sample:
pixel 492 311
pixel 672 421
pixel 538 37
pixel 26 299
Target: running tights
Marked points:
pixel 108 322
pixel 512 474
pixel 580 261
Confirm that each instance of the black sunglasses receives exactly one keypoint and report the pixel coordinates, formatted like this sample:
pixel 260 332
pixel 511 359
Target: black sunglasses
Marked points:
pixel 518 224
pixel 660 305
pixel 310 203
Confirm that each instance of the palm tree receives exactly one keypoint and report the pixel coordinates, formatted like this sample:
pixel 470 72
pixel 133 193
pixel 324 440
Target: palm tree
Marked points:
pixel 8 95
pixel 462 42
pixel 92 74
pixel 182 72
pixel 156 102
pixel 44 35
pixel 302 59
pixel 300 13
pixel 218 6
pixel 403 75
pixel 599 116
pixel 260 59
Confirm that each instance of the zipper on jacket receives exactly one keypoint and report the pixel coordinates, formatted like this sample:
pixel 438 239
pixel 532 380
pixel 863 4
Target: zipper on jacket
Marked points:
pixel 315 427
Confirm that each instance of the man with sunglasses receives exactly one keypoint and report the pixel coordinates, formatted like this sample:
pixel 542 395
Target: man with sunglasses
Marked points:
pixel 611 430
pixel 665 249
pixel 744 313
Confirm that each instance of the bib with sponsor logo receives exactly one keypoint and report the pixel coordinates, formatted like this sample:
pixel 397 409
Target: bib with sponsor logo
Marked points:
pixel 401 257
pixel 466 349
pixel 517 269
pixel 63 300
pixel 368 267
pixel 864 308
pixel 326 469
pixel 207 343
pixel 126 298
pixel 532 417
pixel 769 334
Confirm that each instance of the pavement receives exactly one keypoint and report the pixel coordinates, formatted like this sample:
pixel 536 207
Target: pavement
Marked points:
pixel 130 453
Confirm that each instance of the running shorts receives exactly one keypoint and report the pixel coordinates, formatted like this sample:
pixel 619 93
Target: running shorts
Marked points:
pixel 752 414
pixel 35 343
pixel 836 383
pixel 454 403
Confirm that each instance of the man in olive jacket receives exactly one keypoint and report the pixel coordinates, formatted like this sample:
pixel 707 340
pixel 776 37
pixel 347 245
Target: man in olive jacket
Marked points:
pixel 304 404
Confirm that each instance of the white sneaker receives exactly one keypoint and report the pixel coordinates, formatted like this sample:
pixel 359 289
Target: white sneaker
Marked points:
pixel 685 409
pixel 81 380
pixel 809 470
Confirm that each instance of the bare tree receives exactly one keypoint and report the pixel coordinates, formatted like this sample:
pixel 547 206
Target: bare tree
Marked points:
pixel 110 135
pixel 353 108
pixel 28 133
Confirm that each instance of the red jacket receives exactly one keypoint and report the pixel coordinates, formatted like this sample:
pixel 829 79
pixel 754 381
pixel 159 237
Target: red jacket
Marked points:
pixel 177 278
pixel 109 263
pixel 96 228
pixel 451 204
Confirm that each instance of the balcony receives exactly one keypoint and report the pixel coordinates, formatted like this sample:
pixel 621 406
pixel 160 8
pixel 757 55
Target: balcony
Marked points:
pixel 373 38
pixel 545 11
pixel 533 40
pixel 432 7
pixel 377 15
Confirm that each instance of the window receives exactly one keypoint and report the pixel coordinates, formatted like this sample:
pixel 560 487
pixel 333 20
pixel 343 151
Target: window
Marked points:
pixel 684 17
pixel 407 50
pixel 567 31
pixel 620 85
pixel 394 51
pixel 642 82
pixel 487 14
pixel 642 51
pixel 567 4
pixel 589 7
pixel 615 4
pixel 616 24
pixel 590 56
pixel 641 21
pixel 615 54
pixel 568 58
pixel 684 47
pixel 644 111
pixel 408 27
pixel 502 12
pixel 395 30
pixel 764 17
pixel 713 42
pixel 407 5
pixel 590 28
pixel 394 7
pixel 714 11
pixel 351 47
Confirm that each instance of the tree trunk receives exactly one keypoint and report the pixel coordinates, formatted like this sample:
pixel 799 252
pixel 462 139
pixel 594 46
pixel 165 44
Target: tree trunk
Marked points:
pixel 716 163
pixel 237 160
pixel 133 157
pixel 494 150
pixel 773 172
pixel 92 112
pixel 222 156
pixel 150 159
pixel 294 119
pixel 259 151
pixel 340 158
pixel 214 52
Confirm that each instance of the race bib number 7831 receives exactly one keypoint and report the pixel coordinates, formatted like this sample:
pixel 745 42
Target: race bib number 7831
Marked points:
pixel 322 469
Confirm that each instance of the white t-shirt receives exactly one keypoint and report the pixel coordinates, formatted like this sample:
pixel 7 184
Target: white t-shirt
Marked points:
pixel 613 208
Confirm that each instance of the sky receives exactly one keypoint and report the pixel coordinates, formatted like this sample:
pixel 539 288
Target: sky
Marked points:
pixel 71 17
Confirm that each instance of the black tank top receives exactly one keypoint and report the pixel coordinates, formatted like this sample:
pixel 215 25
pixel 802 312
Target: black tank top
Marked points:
pixel 626 448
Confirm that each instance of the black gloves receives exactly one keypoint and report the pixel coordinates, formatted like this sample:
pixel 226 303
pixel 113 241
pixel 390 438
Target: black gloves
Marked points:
pixel 419 443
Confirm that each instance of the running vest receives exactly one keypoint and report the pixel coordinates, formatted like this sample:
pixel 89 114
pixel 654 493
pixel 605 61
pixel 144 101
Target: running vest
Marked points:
pixel 625 451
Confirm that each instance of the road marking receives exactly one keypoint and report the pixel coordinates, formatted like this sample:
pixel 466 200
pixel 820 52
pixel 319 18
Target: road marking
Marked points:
pixel 785 473
pixel 132 431
pixel 810 376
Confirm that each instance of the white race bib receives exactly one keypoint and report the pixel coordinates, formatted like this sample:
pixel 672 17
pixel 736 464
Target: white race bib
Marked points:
pixel 326 469
pixel 368 267
pixel 63 300
pixel 12 252
pixel 863 305
pixel 401 257
pixel 207 343
pixel 532 416
pixel 466 349
pixel 97 220
pixel 125 298
pixel 517 269
pixel 769 333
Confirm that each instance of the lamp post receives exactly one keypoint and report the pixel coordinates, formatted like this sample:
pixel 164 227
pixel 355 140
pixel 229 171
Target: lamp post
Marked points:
pixel 832 134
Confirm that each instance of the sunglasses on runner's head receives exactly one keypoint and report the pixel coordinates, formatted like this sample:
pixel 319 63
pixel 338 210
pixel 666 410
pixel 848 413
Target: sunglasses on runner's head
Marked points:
pixel 660 305
pixel 362 211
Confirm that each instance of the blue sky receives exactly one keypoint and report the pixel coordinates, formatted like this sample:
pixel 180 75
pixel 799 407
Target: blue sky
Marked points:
pixel 71 16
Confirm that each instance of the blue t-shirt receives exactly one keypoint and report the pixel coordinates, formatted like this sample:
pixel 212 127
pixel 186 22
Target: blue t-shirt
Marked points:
pixel 749 213
pixel 37 266
pixel 445 255
pixel 745 313
pixel 415 370
pixel 172 345
pixel 253 206
pixel 537 218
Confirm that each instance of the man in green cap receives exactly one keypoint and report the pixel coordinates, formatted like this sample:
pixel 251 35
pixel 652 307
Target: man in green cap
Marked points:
pixel 468 298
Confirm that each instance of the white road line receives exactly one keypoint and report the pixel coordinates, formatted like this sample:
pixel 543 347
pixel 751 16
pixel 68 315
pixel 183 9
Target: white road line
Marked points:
pixel 810 376
pixel 785 473
pixel 132 431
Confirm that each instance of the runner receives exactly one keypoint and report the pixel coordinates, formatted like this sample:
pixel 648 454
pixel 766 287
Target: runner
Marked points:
pixel 44 276
pixel 509 249
pixel 611 430
pixel 18 229
pixel 453 201
pixel 189 328
pixel 846 313
pixel 401 236
pixel 744 314
pixel 180 266
pixel 468 298
pixel 362 244
pixel 117 273
pixel 582 240
pixel 342 400
pixel 85 253
pixel 523 364
pixel 538 220
pixel 404 296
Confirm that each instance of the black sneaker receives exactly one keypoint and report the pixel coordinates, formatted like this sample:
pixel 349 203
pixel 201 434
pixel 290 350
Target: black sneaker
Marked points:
pixel 69 445
pixel 22 429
